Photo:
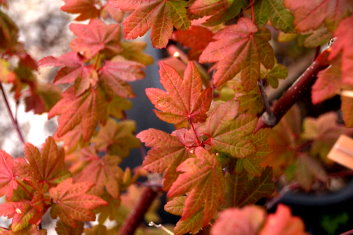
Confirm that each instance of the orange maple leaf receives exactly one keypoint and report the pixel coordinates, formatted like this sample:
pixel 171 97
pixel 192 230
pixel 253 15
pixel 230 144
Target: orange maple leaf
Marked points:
pixel 185 100
pixel 71 202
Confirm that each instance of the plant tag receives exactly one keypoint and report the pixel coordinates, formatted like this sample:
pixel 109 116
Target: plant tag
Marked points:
pixel 342 151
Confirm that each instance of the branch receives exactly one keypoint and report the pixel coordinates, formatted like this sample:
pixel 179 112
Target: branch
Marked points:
pixel 136 217
pixel 295 92
pixel 14 122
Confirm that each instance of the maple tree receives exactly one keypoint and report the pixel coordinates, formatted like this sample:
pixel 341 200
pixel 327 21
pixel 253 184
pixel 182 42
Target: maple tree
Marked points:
pixel 231 146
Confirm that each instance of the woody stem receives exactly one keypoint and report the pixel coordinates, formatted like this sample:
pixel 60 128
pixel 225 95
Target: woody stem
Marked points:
pixel 13 120
pixel 295 92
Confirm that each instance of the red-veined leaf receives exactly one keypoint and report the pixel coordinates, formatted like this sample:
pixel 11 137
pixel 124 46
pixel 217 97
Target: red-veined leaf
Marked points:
pixel 239 48
pixel 72 203
pixel 7 175
pixel 310 15
pixel 202 180
pixel 185 100
pixel 159 15
pixel 95 37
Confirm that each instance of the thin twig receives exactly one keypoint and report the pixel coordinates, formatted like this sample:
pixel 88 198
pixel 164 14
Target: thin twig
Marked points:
pixel 14 122
pixel 269 118
pixel 296 91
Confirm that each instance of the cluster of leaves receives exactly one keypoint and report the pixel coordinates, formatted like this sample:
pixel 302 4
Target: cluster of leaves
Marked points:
pixel 300 148
pixel 75 179
pixel 216 158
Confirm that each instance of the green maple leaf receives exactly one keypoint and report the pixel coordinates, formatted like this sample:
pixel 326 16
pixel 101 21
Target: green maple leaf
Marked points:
pixel 239 48
pixel 159 15
pixel 202 180
pixel 117 137
pixel 228 131
pixel 274 11
pixel 175 206
pixel 242 190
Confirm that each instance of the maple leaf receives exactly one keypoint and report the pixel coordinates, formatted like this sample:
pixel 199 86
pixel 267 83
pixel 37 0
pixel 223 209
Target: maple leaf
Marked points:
pixel 135 51
pixel 71 202
pixel 20 212
pixel 284 138
pixel 62 229
pixel 8 181
pixel 103 174
pixel 241 47
pixel 228 131
pixel 274 11
pixel 85 111
pixel 310 15
pixel 165 156
pixel 277 72
pixel 323 131
pixel 283 223
pixel 196 38
pixel 47 166
pixel 234 221
pixel 202 179
pixel 243 190
pixel 328 83
pixel 175 206
pixel 308 170
pixel 344 49
pixel 72 64
pixel 347 110
pixel 43 97
pixel 159 15
pixel 117 137
pixel 86 8
pixel 95 37
pixel 220 11
pixel 185 100
pixel 115 75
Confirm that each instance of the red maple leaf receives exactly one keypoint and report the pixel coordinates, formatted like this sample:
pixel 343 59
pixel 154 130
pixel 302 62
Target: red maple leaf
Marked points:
pixel 310 15
pixel 185 100
pixel 8 181
pixel 235 221
pixel 343 48
pixel 196 38
pixel 86 8
pixel 72 64
pixel 283 223
pixel 239 48
pixel 71 202
pixel 159 15
pixel 85 110
pixel 95 37
pixel 115 75
pixel 202 180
